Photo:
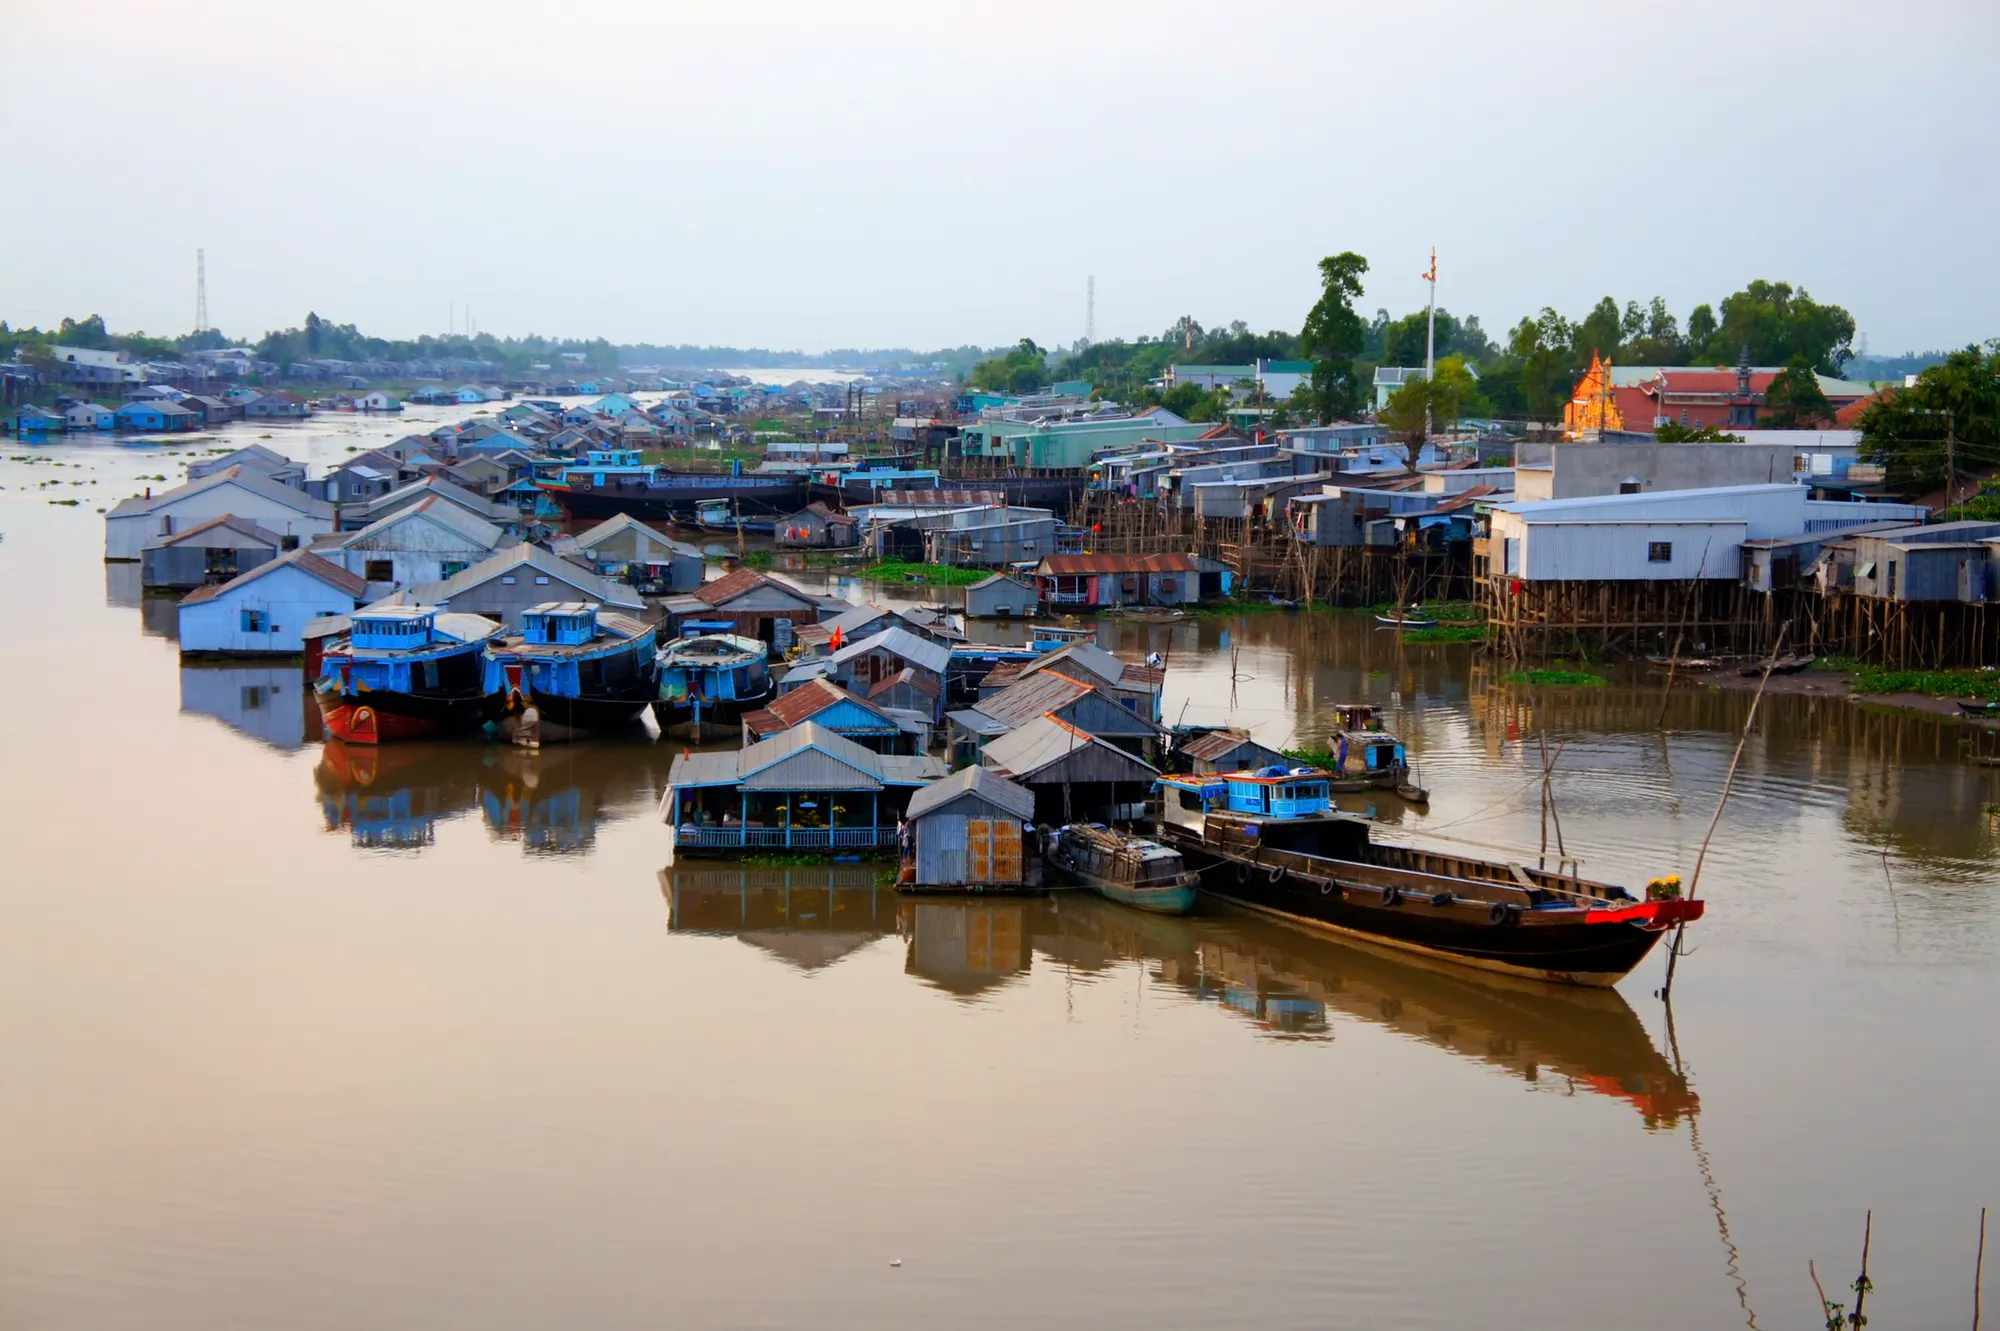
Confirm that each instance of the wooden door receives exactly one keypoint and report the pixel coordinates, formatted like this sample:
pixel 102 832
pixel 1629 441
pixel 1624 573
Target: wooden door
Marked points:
pixel 993 850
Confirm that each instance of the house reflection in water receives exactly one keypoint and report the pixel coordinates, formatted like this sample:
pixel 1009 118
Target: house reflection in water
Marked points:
pixel 267 703
pixel 391 798
pixel 808 918
pixel 968 948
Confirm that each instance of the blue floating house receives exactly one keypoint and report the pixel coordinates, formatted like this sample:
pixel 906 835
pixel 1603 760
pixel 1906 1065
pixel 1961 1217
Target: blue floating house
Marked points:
pixel 807 789
pixel 39 420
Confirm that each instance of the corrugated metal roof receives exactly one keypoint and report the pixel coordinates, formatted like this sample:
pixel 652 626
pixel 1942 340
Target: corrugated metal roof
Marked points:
pixel 703 769
pixel 1046 741
pixel 243 526
pixel 247 478
pixel 1216 744
pixel 808 757
pixel 979 782
pixel 611 526
pixel 976 721
pixel 1069 566
pixel 333 575
pixel 731 585
pixel 923 684
pixel 918 651
pixel 1029 697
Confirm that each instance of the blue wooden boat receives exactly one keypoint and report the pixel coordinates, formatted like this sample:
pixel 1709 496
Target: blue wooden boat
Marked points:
pixel 404 672
pixel 1127 869
pixel 707 682
pixel 572 668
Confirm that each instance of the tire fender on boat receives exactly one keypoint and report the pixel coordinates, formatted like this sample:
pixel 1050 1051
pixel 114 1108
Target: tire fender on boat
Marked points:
pixel 1504 914
pixel 1392 896
pixel 1275 874
pixel 1242 873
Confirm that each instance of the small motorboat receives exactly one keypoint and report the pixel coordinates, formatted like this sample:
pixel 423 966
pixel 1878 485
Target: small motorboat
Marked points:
pixel 1784 665
pixel 1127 869
pixel 1979 708
pixel 1413 618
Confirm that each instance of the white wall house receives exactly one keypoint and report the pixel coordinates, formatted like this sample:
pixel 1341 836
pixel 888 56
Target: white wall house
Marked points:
pixel 246 494
pixel 261 612
pixel 429 541
pixel 1664 535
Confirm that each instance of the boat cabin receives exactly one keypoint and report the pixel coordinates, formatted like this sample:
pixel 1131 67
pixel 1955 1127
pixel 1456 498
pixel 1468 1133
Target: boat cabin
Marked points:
pixel 1356 716
pixel 559 624
pixel 406 649
pixel 1268 792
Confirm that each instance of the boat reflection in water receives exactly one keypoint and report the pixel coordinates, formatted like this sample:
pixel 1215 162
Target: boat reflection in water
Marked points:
pixel 1290 982
pixel 392 797
pixel 549 800
pixel 806 917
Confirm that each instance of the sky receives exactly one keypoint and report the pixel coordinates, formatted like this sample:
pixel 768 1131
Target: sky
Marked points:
pixel 879 173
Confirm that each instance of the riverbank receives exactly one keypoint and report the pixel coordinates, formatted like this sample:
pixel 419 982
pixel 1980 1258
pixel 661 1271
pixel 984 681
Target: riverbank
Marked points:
pixel 1853 685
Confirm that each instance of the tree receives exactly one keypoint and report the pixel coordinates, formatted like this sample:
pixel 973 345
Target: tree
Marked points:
pixel 1795 401
pixel 1545 347
pixel 1672 432
pixel 1701 331
pixel 1441 400
pixel 1022 370
pixel 1947 424
pixel 1333 333
pixel 1599 332
pixel 1778 323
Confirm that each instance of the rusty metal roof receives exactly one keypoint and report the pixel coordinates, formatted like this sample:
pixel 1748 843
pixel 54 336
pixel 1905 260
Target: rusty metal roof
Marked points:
pixel 1069 566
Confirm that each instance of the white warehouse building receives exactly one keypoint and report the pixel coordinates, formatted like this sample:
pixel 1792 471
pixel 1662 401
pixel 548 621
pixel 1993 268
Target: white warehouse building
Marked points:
pixel 1665 535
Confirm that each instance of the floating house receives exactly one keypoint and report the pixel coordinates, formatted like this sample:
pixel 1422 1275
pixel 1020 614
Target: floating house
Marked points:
pixel 156 414
pixel 817 527
pixel 503 516
pixel 262 611
pixel 806 789
pixel 1086 581
pixel 238 491
pixel 1136 688
pixel 1001 597
pixel 874 727
pixel 624 548
pixel 1077 700
pixel 894 668
pixel 1075 776
pixel 429 541
pixel 212 551
pixel 266 462
pixel 506 584
pixel 850 625
pixel 1227 751
pixel 39 420
pixel 91 416
pixel 966 833
pixel 745 603
pixel 276 406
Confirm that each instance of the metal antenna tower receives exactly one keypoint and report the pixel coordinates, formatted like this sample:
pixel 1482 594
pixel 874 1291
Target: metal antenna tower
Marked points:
pixel 1089 310
pixel 200 291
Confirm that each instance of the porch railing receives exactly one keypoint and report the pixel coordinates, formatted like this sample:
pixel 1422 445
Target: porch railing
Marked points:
pixel 797 838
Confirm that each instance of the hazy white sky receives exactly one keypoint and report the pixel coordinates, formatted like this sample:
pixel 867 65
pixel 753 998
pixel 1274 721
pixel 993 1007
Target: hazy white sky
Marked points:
pixel 823 174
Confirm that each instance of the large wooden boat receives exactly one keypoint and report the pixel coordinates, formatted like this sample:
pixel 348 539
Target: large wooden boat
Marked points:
pixel 608 482
pixel 571 669
pixel 1127 869
pixel 1270 840
pixel 707 683
pixel 404 672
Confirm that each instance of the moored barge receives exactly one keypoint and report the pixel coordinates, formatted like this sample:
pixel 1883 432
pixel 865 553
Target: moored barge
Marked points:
pixel 1270 840
pixel 572 669
pixel 404 672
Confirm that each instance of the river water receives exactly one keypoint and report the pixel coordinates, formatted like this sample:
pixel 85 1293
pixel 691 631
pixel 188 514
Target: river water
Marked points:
pixel 298 1037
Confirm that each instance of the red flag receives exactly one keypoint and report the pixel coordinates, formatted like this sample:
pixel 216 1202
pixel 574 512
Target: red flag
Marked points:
pixel 835 644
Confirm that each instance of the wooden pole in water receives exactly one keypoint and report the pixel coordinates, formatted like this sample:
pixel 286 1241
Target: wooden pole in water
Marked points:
pixel 1728 781
pixel 1979 1269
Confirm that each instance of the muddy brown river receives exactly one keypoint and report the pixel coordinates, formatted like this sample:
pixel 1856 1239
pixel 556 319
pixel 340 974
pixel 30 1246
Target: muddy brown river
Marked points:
pixel 296 1036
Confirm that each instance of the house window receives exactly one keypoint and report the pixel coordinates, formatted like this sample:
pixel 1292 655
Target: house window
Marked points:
pixel 1191 799
pixel 541 580
pixel 1893 565
pixel 255 621
pixel 507 580
pixel 379 570
pixel 253 697
pixel 452 567
pixel 1628 487
pixel 1659 552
